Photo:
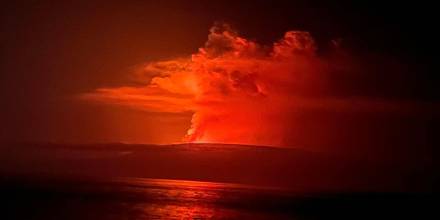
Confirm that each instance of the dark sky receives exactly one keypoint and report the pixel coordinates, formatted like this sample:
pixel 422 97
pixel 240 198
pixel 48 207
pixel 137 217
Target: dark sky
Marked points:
pixel 53 51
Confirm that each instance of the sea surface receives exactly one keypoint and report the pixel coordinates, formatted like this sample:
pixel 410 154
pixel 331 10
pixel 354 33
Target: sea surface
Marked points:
pixel 143 198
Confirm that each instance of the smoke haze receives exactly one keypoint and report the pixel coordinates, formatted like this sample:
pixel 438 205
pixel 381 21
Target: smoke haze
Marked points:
pixel 242 92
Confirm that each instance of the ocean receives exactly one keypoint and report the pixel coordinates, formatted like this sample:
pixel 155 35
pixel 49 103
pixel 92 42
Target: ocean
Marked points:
pixel 143 198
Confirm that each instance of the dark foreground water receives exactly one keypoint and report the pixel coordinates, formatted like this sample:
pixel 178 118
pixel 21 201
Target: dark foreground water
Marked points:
pixel 177 199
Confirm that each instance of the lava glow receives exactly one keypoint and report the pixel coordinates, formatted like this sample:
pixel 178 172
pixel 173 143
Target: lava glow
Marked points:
pixel 238 91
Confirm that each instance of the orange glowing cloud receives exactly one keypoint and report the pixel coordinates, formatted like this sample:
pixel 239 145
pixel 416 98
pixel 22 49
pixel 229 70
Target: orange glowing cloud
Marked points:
pixel 239 91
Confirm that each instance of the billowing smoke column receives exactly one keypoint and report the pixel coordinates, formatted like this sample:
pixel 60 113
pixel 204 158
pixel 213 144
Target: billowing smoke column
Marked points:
pixel 239 91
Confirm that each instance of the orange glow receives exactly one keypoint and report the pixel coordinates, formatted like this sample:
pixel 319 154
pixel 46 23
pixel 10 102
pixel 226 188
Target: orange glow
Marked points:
pixel 187 199
pixel 238 91
pixel 224 83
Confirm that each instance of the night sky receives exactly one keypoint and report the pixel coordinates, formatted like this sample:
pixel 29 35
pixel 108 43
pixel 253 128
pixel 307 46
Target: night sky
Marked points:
pixel 51 52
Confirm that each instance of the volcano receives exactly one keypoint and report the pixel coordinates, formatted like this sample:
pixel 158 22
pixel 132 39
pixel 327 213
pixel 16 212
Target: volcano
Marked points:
pixel 291 168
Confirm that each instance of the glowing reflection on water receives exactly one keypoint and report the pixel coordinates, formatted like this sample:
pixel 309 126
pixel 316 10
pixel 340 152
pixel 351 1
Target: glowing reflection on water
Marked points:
pixel 177 212
pixel 181 199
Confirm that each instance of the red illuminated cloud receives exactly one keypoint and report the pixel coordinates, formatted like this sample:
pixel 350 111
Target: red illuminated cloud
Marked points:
pixel 238 90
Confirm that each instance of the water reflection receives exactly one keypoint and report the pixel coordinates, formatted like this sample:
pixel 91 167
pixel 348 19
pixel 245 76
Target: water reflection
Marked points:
pixel 181 199
pixel 177 212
